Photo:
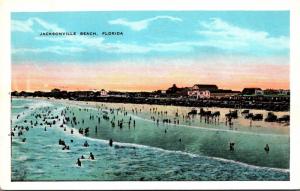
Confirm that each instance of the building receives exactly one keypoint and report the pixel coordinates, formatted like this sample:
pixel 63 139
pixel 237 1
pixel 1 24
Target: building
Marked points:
pixel 201 91
pixel 252 91
pixel 259 92
pixel 199 94
pixel 220 93
pixel 284 92
pixel 270 92
pixel 103 93
pixel 175 91
pixel 203 87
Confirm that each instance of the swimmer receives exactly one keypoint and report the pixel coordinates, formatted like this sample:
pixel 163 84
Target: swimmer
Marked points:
pixel 91 156
pixel 110 142
pixel 78 162
pixel 267 148
pixel 85 144
pixel 231 146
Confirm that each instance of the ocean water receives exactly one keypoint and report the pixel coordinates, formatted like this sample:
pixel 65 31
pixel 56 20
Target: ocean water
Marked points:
pixel 146 151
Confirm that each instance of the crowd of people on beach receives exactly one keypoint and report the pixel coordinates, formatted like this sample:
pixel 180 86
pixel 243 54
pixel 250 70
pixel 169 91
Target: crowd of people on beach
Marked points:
pixel 75 120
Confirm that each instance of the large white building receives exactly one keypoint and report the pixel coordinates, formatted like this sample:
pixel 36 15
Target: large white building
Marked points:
pixel 202 91
pixel 103 93
pixel 199 94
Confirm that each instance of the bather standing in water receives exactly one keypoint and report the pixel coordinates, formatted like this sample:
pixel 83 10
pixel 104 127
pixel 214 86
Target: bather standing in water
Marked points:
pixel 110 142
pixel 91 156
pixel 78 162
pixel 85 144
pixel 231 146
pixel 267 148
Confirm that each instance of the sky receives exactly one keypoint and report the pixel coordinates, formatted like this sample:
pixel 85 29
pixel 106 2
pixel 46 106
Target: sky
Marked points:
pixel 232 49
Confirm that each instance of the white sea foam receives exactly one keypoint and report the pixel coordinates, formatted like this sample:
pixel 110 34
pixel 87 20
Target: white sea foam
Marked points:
pixel 32 107
pixel 21 158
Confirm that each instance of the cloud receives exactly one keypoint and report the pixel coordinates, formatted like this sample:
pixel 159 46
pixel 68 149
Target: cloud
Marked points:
pixel 224 33
pixel 34 24
pixel 21 26
pixel 141 24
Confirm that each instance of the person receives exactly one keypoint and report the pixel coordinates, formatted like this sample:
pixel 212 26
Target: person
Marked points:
pixel 82 157
pixel 110 142
pixel 66 147
pixel 91 156
pixel 78 162
pixel 85 144
pixel 267 148
pixel 231 146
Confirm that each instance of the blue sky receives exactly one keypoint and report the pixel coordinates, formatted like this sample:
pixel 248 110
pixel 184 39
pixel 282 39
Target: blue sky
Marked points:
pixel 149 35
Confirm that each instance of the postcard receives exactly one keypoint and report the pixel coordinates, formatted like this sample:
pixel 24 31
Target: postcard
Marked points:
pixel 149 96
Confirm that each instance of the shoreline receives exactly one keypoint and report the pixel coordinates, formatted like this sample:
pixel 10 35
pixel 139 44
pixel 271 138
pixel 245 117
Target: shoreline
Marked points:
pixel 230 104
pixel 95 105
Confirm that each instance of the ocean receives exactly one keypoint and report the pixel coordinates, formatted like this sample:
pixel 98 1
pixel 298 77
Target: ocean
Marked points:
pixel 144 147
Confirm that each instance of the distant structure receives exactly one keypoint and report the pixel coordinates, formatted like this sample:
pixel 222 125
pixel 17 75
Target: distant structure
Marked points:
pixel 252 91
pixel 206 91
pixel 276 92
pixel 221 93
pixel 103 93
pixel 204 87
pixel 202 91
pixel 175 91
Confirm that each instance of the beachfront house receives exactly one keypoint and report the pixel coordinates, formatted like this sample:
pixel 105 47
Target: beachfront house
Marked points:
pixel 103 93
pixel 201 91
pixel 252 91
pixel 174 91
pixel 220 93
pixel 284 92
pixel 203 87
pixel 197 94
